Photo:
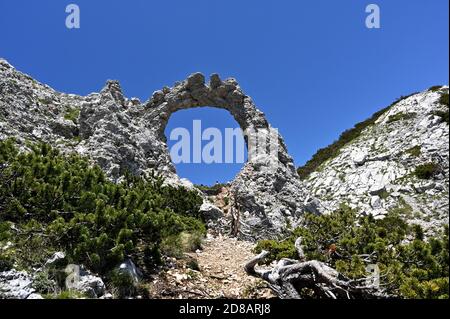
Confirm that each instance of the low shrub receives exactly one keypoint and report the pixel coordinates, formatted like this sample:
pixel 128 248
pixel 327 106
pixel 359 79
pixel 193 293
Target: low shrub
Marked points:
pixel 444 99
pixel 414 151
pixel 426 171
pixel 435 88
pixel 444 115
pixel 122 284
pixel 177 245
pixel 72 114
pixel 400 117
pixel 61 202
pixel 410 266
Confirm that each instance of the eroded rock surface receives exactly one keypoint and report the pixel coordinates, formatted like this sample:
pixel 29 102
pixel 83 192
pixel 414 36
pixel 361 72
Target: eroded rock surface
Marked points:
pixel 16 285
pixel 122 134
pixel 375 173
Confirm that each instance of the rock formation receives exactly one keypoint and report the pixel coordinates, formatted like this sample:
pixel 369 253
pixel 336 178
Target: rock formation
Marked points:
pixel 375 172
pixel 121 134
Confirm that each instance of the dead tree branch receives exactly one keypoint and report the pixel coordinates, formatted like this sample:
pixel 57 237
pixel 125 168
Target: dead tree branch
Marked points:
pixel 289 278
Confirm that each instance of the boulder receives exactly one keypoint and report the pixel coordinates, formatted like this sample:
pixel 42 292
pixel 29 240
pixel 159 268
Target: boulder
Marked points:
pixel 359 157
pixel 129 268
pixel 15 284
pixel 57 260
pixel 210 212
pixel 83 281
pixel 375 202
pixel 377 189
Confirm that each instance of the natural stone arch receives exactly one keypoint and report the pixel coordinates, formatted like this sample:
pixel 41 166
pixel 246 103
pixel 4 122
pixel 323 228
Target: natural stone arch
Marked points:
pixel 121 134
pixel 227 145
pixel 267 193
pixel 227 95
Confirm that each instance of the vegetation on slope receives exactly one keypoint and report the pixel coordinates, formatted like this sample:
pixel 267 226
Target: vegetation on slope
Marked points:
pixel 50 202
pixel 72 114
pixel 444 100
pixel 426 171
pixel 410 266
pixel 346 137
pixel 400 117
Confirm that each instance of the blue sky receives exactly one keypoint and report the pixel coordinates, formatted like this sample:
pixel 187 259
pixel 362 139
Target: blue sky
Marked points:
pixel 311 66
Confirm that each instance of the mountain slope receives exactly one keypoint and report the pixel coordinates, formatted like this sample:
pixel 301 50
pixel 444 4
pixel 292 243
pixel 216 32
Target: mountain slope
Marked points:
pixel 399 161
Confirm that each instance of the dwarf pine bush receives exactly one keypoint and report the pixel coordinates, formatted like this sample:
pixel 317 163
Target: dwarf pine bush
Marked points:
pixel 51 202
pixel 410 266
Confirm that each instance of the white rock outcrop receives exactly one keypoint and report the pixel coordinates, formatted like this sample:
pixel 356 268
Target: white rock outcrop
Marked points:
pixel 375 172
pixel 16 285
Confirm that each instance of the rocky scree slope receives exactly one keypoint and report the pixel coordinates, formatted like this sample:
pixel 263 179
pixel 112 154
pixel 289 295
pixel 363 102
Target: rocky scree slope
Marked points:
pixel 121 134
pixel 401 162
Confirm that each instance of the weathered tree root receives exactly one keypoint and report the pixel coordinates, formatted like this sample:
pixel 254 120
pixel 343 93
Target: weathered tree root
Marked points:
pixel 289 277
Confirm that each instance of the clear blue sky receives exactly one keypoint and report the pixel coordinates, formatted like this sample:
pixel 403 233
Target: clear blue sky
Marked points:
pixel 311 66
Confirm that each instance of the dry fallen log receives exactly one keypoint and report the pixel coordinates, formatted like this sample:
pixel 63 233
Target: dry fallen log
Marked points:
pixel 289 278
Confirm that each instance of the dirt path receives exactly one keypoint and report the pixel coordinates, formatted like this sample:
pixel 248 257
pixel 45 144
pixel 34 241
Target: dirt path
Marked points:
pixel 216 271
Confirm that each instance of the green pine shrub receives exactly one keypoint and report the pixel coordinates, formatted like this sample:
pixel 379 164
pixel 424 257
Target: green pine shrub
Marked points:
pixel 426 171
pixel 444 99
pixel 400 117
pixel 435 88
pixel 414 151
pixel 444 115
pixel 72 114
pixel 44 283
pixel 122 284
pixel 410 266
pixel 50 202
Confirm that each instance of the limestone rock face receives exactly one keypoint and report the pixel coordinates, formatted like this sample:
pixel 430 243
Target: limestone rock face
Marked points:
pixel 16 285
pixel 88 284
pixel 210 212
pixel 376 171
pixel 122 134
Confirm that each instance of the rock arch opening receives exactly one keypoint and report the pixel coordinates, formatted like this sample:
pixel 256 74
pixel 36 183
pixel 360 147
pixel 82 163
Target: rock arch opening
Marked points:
pixel 206 145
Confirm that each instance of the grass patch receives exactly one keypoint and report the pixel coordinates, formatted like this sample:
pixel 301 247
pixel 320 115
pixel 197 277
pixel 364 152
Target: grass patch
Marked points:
pixel 177 245
pixel 72 114
pixel 414 151
pixel 400 117
pixel 66 294
pixel 384 194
